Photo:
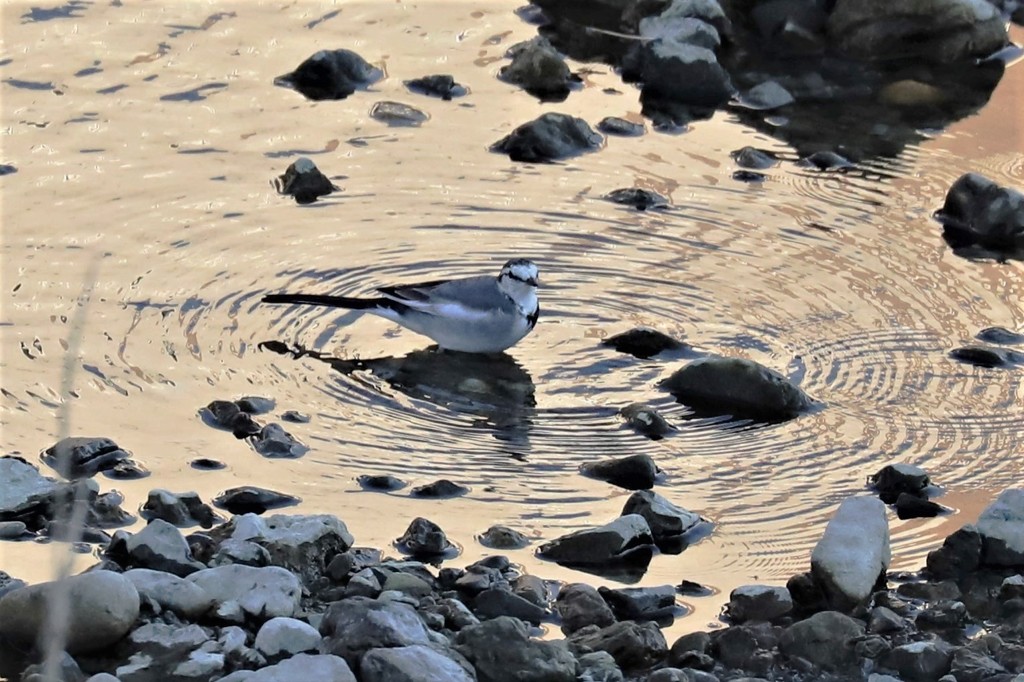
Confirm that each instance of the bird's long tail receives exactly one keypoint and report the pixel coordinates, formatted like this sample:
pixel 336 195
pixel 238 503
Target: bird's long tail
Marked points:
pixel 330 301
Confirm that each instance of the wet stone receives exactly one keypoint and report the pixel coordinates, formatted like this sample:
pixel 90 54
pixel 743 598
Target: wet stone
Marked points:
pixel 381 482
pixel 627 539
pixel 330 74
pixel 634 472
pixel 250 499
pixel 274 442
pixel 254 404
pixel 893 480
pixel 295 417
pixel 492 603
pixel 643 343
pixel 539 70
pixel 1000 335
pixel 7 169
pixel 759 603
pixel 424 538
pixel 748 176
pixel 207 464
pixel 225 414
pixel 550 137
pixel 989 358
pixel 78 457
pixel 503 537
pixel 913 507
pixel 641 603
pixel 754 159
pixel 826 161
pixel 959 555
pixel 178 509
pixel 126 470
pixel 397 114
pixel 633 645
pixel 640 199
pixel 443 86
pixel 646 421
pixel 304 181
pixel 620 127
pixel 442 488
pixel 12 530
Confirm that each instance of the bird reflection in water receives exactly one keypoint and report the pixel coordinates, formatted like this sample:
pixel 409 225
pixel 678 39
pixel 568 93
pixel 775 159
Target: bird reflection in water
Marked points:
pixel 491 388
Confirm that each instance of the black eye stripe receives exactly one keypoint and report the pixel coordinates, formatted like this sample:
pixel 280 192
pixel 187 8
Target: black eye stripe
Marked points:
pixel 512 275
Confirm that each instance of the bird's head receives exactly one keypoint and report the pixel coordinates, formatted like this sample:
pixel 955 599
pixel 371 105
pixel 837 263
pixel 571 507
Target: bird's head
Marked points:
pixel 518 279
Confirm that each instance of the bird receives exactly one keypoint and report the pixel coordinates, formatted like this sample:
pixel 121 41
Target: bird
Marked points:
pixel 483 314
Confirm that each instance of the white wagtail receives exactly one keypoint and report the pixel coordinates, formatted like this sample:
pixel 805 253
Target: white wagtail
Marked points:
pixel 473 315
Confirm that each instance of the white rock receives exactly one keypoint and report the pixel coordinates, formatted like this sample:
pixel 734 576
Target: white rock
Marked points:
pixel 23 485
pixel 301 667
pixel 286 636
pixel 103 677
pixel 163 636
pixel 759 602
pixel 416 663
pixel 162 547
pixel 200 665
pixel 266 592
pixel 171 592
pixel 853 551
pixel 102 608
pixel 1002 529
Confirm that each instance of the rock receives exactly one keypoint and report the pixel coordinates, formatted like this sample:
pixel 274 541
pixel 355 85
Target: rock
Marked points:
pixel 259 592
pixel 443 86
pixel 853 552
pixel 688 30
pixel 599 666
pixel 1002 531
pixel 683 73
pixel 884 620
pixel 171 592
pixel 550 137
pixel 1000 335
pixel 321 668
pixel 178 509
pixel 397 114
pixel 893 479
pixel 667 522
pixel 295 417
pixel 538 68
pixel 102 607
pixel 973 665
pixel 736 647
pixel 161 547
pixel 67 671
pixel 302 543
pixel 758 603
pixel 640 199
pixel 634 472
pixel 306 178
pixel 25 490
pixel 912 507
pixel 620 127
pixel 626 540
pixel 501 650
pixel 826 639
pixel 643 343
pixel 919 660
pixel 250 499
pixel 738 387
pixel 503 537
pixel 943 615
pixel 285 637
pixel 356 625
pixel 765 96
pixel 438 489
pixel 641 603
pixel 424 538
pixel 161 640
pixel 207 464
pixel 255 404
pixel 126 470
pixel 330 74
pixel 355 559
pixel 691 650
pixel 646 421
pixel 826 161
pixel 580 605
pixel 274 442
pixel 989 358
pixel 385 482
pixel 633 645
pixel 959 555
pixel 978 211
pixel 492 603
pixel 304 181
pixel 416 663
pixel 751 157
pixel 407 583
pixel 748 176
pixel 83 457
pixel 932 30
pixel 12 530
pixel 364 583
pixel 929 591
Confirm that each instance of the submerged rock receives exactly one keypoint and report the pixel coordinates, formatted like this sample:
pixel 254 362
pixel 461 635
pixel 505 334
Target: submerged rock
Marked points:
pixel 646 421
pixel 640 199
pixel 251 499
pixel 424 538
pixel 987 357
pixel 503 537
pixel 626 541
pixel 634 472
pixel 853 552
pixel 668 522
pixel 304 181
pixel 894 479
pixel 620 127
pixel 330 74
pixel 979 212
pixel 826 161
pixel 397 114
pixel 738 387
pixel 273 441
pixel 78 457
pixel 443 86
pixel 540 70
pixel 643 342
pixel 385 482
pixel 753 158
pixel 438 489
pixel 178 509
pixel 1000 335
pixel 550 137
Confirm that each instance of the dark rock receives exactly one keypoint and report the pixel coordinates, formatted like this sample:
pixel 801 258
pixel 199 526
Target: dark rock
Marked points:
pixel 753 158
pixel 304 181
pixel 735 647
pixel 330 74
pixel 412 664
pixel 7 169
pixel 959 555
pixel 254 404
pixel 641 603
pixel 683 73
pixel 919 661
pixel 640 199
pixel 668 522
pixel 989 358
pixel 690 649
pixel 748 176
pixel 765 96
pixel 79 457
pixel 385 482
pixel 643 343
pixel 493 603
pixel 599 665
pixel 912 507
pixel 943 615
pixel 1000 335
pixel 625 543
pixel 1002 531
pixel 351 561
pixel 929 591
pixel 894 479
pixel 580 605
pixel 692 589
pixel 355 625
pixel 758 603
pixel 424 538
pixel 884 621
pixel 532 589
pixel 738 387
pixel 503 537
pixel 178 509
pixel 825 639
pixel 438 489
pixel 540 70
pixel 126 470
pixel 826 161
pixel 295 417
pixel 397 114
pixel 226 414
pixel 979 212
pixel 443 86
pixel 633 645
pixel 26 494
pixel 501 650
pixel 274 442
pixel 250 499
pixel 161 547
pixel 620 127
pixel 973 666
pixel 207 464
pixel 633 472
pixel 646 421
pixel 550 137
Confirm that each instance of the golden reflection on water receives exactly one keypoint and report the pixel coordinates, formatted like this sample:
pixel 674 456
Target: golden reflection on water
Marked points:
pixel 147 136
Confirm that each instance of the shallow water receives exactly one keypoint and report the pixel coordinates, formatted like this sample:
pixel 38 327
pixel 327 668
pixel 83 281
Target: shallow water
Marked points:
pixel 146 138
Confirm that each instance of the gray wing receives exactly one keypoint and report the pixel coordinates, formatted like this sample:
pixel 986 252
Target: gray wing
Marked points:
pixel 470 297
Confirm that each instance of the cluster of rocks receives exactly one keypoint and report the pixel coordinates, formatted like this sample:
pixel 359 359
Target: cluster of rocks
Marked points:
pixel 270 440
pixel 290 597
